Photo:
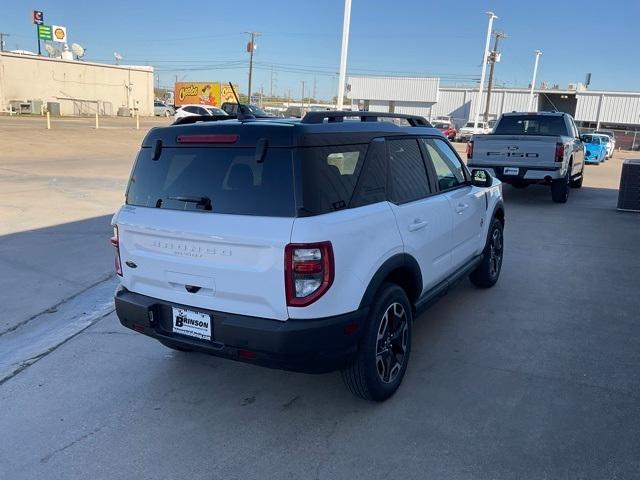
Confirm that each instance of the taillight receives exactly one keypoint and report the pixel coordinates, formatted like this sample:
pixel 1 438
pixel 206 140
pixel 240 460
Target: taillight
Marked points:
pixel 115 241
pixel 559 152
pixel 308 272
pixel 470 150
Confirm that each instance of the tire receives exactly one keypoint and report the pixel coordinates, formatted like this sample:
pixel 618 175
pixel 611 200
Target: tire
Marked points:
pixel 175 347
pixel 487 273
pixel 560 188
pixel 578 183
pixel 383 353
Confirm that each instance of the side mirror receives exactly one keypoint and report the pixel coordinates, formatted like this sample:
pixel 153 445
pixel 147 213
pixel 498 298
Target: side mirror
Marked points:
pixel 481 178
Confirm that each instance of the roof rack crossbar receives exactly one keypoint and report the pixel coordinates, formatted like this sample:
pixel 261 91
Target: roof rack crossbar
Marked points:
pixel 203 118
pixel 339 116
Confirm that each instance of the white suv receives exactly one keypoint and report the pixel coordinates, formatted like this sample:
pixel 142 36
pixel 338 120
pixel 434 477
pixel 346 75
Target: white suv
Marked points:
pixel 305 245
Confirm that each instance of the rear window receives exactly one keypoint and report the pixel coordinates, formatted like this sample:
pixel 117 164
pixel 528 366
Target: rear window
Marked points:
pixel 329 176
pixel 531 125
pixel 214 180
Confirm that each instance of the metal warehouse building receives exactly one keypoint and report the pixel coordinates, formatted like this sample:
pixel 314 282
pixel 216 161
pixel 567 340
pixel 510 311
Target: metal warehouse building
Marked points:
pixel 425 96
pixel 28 82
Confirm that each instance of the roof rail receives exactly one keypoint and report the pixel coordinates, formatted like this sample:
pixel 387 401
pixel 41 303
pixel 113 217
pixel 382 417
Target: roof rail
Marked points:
pixel 340 115
pixel 202 118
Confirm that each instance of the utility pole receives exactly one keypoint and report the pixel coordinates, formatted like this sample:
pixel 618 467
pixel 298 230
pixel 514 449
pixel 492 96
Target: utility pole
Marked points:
pixel 533 81
pixel 271 83
pixel 2 35
pixel 315 86
pixel 494 57
pixel 251 46
pixel 492 16
pixel 346 22
pixel 302 99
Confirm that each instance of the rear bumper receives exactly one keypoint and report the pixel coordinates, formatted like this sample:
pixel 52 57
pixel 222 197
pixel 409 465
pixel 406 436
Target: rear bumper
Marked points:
pixel 311 346
pixel 526 173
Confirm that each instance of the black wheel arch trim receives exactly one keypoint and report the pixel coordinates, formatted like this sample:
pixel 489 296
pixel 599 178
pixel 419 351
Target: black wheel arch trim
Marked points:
pixel 395 262
pixel 498 207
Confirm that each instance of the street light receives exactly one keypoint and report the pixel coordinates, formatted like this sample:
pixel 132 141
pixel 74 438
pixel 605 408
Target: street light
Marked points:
pixel 343 53
pixel 533 81
pixel 492 16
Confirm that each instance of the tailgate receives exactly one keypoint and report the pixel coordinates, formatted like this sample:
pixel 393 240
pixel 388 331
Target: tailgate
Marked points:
pixel 229 263
pixel 515 150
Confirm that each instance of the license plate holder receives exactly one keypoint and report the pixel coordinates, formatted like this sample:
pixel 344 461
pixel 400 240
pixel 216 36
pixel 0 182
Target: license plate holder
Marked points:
pixel 511 171
pixel 191 323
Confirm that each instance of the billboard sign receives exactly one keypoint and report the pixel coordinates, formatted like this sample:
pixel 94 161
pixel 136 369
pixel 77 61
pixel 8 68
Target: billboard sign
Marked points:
pixel 38 17
pixel 59 33
pixel 226 94
pixel 44 32
pixel 200 93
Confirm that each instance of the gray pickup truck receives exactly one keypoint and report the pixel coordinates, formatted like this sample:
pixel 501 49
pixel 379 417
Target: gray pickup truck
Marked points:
pixel 532 148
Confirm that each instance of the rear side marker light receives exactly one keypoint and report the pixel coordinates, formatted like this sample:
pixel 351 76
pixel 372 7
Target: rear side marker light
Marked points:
pixel 115 241
pixel 247 354
pixel 207 138
pixel 309 272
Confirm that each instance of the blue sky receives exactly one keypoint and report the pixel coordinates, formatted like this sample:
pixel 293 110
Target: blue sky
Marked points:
pixel 301 39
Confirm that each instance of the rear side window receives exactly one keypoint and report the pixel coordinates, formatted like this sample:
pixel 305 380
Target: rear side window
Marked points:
pixel 214 180
pixel 531 125
pixel 408 176
pixel 329 176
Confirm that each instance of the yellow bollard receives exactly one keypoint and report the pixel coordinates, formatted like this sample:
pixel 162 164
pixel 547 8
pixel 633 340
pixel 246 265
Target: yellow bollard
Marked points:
pixel 48 121
pixel 96 120
pixel 137 120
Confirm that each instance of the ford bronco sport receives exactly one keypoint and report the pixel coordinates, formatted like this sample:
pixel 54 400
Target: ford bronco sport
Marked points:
pixel 308 245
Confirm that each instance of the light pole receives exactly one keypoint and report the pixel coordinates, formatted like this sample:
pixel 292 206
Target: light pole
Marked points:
pixel 343 53
pixel 492 16
pixel 533 81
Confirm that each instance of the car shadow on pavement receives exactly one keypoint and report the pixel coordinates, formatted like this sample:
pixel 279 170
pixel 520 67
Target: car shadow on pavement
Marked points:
pixel 43 267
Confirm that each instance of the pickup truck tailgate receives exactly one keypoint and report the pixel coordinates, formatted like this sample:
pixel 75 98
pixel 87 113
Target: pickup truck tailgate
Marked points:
pixel 514 150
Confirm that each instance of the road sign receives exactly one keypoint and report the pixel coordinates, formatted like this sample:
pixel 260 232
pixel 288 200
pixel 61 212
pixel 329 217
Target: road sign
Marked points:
pixel 59 33
pixel 38 17
pixel 44 32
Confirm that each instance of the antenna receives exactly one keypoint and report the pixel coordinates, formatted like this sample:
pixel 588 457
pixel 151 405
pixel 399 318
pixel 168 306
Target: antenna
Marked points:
pixel 78 50
pixel 118 57
pixel 243 112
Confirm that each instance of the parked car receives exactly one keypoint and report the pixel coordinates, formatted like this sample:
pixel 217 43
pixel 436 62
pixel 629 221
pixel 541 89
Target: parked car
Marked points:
pixel 610 143
pixel 162 110
pixel 595 149
pixel 250 257
pixel 468 131
pixel 232 109
pixel 532 148
pixel 447 129
pixel 205 110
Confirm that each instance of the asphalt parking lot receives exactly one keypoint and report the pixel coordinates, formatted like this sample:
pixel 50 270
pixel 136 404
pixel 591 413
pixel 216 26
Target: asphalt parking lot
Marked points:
pixel 538 377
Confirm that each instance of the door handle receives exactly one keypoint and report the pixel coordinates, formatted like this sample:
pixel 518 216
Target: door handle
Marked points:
pixel 417 225
pixel 461 207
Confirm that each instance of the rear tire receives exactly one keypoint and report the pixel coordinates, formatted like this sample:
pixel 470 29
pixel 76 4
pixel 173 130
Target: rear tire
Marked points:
pixel 487 273
pixel 383 353
pixel 560 188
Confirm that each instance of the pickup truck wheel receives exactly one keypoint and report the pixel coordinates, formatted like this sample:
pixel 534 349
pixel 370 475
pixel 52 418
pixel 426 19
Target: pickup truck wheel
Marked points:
pixel 487 273
pixel 560 188
pixel 383 354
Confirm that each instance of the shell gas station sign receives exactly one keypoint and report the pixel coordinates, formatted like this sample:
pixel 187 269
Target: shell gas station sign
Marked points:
pixel 202 93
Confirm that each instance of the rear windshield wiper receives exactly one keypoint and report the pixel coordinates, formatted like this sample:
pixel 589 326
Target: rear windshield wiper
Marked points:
pixel 204 202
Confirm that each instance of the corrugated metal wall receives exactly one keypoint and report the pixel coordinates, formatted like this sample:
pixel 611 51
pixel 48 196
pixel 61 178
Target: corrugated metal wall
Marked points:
pixel 409 89
pixel 587 107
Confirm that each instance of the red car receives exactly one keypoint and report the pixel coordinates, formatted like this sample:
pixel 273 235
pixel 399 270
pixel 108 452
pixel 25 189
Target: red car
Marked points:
pixel 447 129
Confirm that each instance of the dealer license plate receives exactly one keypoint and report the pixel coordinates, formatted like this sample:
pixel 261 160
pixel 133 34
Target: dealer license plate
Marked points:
pixel 191 323
pixel 511 171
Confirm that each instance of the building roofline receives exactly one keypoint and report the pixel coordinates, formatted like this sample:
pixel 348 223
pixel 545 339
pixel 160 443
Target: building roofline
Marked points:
pixel 140 68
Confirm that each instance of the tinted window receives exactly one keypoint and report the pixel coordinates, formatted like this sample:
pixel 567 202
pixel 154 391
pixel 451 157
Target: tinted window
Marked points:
pixel 372 184
pixel 449 169
pixel 407 172
pixel 531 125
pixel 329 176
pixel 190 109
pixel 591 139
pixel 216 180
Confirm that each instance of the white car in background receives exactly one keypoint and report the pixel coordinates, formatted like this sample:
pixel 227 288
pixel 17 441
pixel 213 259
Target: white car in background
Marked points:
pixel 468 131
pixel 611 143
pixel 204 110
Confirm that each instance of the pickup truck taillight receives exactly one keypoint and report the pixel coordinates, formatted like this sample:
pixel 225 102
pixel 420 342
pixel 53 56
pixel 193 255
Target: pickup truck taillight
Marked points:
pixel 559 152
pixel 115 241
pixel 470 150
pixel 308 272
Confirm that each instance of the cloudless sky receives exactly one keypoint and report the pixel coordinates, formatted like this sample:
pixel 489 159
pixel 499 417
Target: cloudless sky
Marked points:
pixel 301 39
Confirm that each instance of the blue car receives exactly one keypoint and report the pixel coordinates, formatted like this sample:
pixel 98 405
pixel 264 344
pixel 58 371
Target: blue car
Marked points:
pixel 595 149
